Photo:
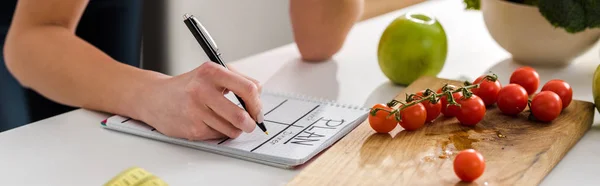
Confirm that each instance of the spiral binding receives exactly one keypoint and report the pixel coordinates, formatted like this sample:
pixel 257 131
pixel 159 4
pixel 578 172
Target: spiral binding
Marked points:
pixel 312 99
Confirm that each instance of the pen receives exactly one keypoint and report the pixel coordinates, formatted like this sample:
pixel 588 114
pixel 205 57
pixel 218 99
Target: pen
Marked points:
pixel 212 51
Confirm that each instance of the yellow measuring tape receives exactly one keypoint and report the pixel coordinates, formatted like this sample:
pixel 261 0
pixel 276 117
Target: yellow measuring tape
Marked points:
pixel 135 176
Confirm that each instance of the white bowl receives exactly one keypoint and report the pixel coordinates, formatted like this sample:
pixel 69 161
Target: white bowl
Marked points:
pixel 530 38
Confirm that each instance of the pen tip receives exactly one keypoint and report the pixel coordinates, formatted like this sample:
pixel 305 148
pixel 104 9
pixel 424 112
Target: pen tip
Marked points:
pixel 266 132
pixel 185 16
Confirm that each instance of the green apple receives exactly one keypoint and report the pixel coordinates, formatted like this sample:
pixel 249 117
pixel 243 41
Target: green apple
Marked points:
pixel 596 88
pixel 411 46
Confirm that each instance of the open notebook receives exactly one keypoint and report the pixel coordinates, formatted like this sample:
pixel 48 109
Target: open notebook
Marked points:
pixel 299 128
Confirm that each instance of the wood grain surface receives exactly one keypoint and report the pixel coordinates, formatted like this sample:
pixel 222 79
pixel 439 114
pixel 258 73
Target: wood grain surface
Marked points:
pixel 516 151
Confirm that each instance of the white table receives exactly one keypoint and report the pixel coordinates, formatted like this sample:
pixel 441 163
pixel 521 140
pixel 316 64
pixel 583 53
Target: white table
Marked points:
pixel 72 148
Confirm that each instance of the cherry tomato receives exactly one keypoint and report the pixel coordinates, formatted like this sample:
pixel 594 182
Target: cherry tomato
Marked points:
pixel 562 88
pixel 413 117
pixel 488 90
pixel 527 77
pixel 472 110
pixel 433 110
pixel 450 110
pixel 546 106
pixel 382 122
pixel 469 165
pixel 512 99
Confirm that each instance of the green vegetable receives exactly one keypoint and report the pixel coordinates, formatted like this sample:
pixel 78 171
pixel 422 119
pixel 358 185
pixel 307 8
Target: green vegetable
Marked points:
pixel 592 13
pixel 572 15
pixel 473 4
pixel 568 14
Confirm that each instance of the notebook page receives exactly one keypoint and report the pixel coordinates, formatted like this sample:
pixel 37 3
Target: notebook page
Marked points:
pixel 298 129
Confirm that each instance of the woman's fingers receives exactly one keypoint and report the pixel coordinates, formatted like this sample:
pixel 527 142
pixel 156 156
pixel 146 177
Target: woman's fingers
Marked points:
pixel 221 125
pixel 249 78
pixel 230 112
pixel 212 112
pixel 201 131
pixel 225 91
pixel 242 87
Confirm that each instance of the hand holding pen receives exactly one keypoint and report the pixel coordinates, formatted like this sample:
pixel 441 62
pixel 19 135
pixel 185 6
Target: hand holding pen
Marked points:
pixel 247 99
pixel 192 105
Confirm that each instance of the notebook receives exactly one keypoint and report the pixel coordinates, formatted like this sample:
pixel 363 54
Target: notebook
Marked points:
pixel 299 128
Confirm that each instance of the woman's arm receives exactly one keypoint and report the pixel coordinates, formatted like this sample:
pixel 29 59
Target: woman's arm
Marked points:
pixel 321 26
pixel 44 54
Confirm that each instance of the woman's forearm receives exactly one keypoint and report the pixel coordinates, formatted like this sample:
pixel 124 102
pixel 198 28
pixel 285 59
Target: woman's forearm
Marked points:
pixel 53 61
pixel 321 26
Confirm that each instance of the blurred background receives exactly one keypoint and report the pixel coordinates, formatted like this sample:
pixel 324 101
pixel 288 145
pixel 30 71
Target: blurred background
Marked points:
pixel 240 29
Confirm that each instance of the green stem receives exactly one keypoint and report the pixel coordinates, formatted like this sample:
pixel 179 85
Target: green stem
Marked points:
pixel 431 96
pixel 374 111
pixel 492 77
pixel 392 103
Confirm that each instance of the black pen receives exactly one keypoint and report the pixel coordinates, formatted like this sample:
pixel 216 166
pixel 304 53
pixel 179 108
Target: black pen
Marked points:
pixel 211 50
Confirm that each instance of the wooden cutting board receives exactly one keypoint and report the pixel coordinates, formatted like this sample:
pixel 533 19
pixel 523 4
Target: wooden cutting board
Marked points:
pixel 516 151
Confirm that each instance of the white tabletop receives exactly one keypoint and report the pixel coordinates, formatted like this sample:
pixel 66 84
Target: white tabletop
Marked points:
pixel 72 148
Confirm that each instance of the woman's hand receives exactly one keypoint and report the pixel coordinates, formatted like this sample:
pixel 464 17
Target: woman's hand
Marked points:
pixel 193 105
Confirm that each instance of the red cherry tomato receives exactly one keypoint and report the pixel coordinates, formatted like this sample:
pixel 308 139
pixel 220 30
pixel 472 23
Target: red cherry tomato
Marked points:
pixel 562 88
pixel 512 99
pixel 450 110
pixel 527 77
pixel 488 90
pixel 469 165
pixel 413 117
pixel 472 110
pixel 382 122
pixel 433 110
pixel 546 106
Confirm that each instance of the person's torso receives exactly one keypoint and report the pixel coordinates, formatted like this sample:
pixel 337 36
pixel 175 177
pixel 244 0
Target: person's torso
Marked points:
pixel 7 8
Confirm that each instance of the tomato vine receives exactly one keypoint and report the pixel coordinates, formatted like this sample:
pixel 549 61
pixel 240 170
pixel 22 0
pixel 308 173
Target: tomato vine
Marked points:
pixel 429 95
